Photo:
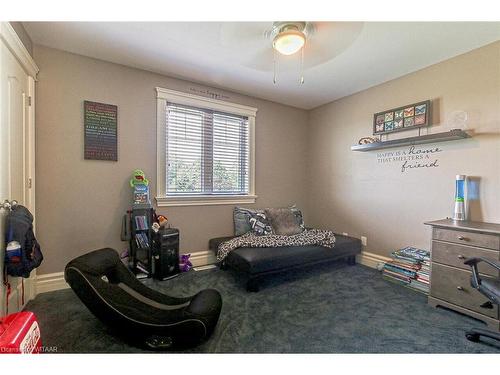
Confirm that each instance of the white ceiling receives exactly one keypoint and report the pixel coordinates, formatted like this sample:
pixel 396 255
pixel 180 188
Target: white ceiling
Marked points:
pixel 341 58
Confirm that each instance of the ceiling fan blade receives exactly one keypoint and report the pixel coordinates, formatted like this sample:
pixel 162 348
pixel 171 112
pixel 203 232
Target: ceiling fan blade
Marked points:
pixel 325 41
pixel 330 39
pixel 243 33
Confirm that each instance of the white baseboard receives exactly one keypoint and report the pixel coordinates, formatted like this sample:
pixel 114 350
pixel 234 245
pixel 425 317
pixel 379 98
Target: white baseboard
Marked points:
pixel 55 281
pixel 202 258
pixel 50 282
pixel 371 260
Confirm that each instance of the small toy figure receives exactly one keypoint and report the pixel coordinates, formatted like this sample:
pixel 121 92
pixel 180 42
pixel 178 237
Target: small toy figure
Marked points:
pixel 139 178
pixel 184 263
pixel 162 220
pixel 124 256
pixel 155 227
pixel 368 140
pixel 141 189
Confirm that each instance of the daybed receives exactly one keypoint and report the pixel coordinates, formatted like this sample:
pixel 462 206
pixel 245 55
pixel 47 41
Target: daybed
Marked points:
pixel 256 263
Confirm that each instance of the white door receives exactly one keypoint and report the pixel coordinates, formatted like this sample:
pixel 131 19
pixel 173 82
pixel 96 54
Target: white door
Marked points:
pixel 16 154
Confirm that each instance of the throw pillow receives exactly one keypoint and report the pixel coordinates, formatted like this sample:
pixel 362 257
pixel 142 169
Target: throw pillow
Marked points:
pixel 241 218
pixel 260 224
pixel 284 221
pixel 298 215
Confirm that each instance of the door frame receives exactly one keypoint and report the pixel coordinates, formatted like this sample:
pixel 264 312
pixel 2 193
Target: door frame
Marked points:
pixel 29 197
pixel 16 46
pixel 11 40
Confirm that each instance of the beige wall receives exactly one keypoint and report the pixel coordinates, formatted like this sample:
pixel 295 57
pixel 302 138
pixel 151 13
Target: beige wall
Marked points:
pixel 80 202
pixel 354 193
pixel 302 157
pixel 23 35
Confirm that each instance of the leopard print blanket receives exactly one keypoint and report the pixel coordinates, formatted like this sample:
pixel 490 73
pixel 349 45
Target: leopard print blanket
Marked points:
pixel 319 237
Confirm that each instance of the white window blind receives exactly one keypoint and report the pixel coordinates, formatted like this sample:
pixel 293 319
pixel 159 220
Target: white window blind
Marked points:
pixel 207 152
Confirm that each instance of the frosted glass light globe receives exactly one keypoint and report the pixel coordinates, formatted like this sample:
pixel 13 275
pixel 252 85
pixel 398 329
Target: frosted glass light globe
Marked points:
pixel 289 42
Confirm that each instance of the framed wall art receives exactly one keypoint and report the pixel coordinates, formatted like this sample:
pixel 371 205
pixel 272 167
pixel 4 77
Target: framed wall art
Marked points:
pixel 100 122
pixel 403 118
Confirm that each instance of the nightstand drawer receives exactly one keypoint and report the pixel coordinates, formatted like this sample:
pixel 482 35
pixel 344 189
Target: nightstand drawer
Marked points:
pixel 455 255
pixel 467 238
pixel 453 285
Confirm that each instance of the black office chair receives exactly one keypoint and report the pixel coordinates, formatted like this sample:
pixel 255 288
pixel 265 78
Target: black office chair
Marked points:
pixel 488 287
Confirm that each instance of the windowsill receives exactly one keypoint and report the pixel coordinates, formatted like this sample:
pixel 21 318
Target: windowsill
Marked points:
pixel 204 200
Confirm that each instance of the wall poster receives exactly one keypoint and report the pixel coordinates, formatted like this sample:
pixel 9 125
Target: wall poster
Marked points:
pixel 101 131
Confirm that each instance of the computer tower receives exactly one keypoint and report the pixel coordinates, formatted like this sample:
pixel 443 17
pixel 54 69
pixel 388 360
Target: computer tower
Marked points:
pixel 166 253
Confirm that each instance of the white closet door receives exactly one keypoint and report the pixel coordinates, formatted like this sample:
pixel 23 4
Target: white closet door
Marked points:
pixel 15 155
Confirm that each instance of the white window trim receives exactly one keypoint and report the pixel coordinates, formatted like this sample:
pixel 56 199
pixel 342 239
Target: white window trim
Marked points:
pixel 165 95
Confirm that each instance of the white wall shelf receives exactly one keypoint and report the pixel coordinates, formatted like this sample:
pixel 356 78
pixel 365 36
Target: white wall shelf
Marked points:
pixel 452 135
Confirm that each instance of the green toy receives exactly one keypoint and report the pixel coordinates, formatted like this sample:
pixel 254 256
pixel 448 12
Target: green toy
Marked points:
pixel 138 178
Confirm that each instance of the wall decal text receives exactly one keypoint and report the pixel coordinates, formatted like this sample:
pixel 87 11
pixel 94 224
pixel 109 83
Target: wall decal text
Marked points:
pixel 411 158
pixel 209 93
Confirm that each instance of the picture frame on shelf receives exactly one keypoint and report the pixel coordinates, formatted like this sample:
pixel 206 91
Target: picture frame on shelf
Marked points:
pixel 406 117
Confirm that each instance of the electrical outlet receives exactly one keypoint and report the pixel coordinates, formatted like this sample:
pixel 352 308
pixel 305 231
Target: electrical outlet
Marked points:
pixel 345 233
pixel 363 240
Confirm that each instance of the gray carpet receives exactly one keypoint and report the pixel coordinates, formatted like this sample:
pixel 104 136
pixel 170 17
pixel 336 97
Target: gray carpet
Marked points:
pixel 328 309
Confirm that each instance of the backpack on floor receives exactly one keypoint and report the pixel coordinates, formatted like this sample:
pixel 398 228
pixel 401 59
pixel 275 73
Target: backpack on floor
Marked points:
pixel 22 253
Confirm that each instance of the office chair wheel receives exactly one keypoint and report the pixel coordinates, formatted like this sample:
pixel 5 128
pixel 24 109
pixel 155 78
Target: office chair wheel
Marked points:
pixel 472 336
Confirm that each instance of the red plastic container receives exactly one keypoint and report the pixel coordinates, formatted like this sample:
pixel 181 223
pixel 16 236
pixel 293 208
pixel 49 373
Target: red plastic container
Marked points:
pixel 20 334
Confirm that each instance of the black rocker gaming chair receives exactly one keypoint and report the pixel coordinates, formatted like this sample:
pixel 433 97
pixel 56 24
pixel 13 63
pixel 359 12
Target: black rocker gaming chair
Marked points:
pixel 146 317
pixel 488 287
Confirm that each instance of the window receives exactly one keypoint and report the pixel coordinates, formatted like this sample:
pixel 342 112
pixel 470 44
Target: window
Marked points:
pixel 205 150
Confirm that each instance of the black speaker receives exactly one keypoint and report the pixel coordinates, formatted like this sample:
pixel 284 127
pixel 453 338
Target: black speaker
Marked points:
pixel 166 253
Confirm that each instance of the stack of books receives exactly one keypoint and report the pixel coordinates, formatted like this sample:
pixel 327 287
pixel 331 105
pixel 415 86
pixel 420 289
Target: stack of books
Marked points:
pixel 141 223
pixel 410 267
pixel 142 271
pixel 142 240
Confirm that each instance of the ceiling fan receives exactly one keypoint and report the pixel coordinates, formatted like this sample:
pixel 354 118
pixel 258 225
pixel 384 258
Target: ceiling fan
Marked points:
pixel 288 39
pixel 290 46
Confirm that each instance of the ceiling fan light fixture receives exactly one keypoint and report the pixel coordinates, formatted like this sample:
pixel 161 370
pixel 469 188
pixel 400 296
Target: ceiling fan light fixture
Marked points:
pixel 289 41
